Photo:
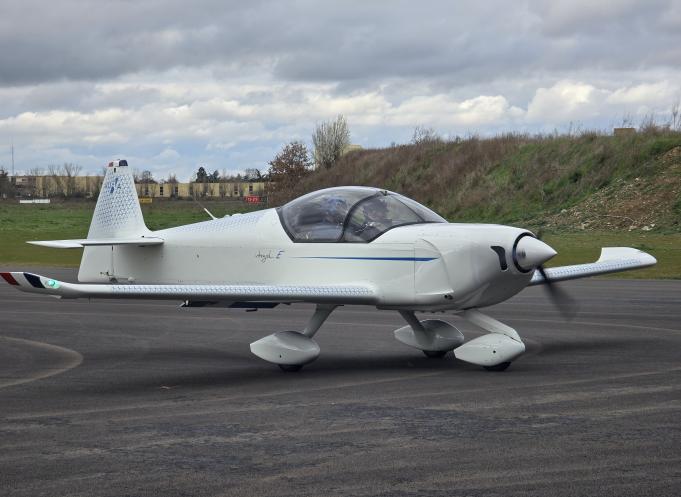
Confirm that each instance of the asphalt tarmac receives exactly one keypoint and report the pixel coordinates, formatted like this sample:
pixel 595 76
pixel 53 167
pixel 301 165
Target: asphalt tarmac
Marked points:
pixel 144 398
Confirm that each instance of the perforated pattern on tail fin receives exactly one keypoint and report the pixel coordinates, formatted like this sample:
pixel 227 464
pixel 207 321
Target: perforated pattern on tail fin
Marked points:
pixel 118 212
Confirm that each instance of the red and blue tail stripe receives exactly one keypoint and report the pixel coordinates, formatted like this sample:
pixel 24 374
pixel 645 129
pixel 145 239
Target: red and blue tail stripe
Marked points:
pixel 30 278
pixel 9 278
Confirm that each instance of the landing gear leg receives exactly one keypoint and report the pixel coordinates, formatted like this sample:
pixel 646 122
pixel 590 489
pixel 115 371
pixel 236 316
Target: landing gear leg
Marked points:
pixel 291 350
pixel 434 337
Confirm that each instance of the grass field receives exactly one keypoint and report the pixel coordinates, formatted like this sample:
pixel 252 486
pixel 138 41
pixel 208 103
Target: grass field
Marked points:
pixel 57 221
pixel 19 223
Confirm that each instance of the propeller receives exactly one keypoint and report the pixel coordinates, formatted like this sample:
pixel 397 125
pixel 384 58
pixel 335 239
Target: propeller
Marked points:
pixel 566 305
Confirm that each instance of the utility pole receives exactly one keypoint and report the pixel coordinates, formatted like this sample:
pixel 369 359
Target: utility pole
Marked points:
pixel 12 158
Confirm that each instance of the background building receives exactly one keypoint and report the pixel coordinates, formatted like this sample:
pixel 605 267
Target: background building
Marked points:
pixel 89 186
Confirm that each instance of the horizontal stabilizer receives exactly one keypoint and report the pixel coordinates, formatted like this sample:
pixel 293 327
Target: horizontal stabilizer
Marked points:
pixel 97 242
pixel 339 294
pixel 612 260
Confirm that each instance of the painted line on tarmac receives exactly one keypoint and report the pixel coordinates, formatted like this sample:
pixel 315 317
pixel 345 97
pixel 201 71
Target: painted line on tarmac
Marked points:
pixel 68 359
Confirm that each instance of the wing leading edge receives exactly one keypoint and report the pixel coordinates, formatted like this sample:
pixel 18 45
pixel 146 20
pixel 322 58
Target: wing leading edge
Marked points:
pixel 612 260
pixel 350 294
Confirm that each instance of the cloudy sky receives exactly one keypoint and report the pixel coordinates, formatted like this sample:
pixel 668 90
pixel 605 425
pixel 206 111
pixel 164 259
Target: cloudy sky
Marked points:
pixel 171 84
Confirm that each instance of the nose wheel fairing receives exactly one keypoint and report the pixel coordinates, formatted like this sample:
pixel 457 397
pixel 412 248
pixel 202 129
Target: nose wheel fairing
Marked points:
pixel 502 345
pixel 490 350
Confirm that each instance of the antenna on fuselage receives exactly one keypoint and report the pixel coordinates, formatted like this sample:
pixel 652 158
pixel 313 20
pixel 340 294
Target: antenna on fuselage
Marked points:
pixel 201 205
pixel 209 213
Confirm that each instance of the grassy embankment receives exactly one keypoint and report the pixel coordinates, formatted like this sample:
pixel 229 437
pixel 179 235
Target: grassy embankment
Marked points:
pixel 590 181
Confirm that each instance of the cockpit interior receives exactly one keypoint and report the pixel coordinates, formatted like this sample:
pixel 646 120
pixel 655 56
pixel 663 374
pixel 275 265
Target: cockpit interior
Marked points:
pixel 350 214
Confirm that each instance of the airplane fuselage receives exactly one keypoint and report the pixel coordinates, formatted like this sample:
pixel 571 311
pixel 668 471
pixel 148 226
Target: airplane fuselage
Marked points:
pixel 433 266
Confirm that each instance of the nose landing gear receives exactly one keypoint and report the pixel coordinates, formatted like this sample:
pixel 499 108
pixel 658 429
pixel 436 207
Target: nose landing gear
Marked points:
pixel 434 337
pixel 494 351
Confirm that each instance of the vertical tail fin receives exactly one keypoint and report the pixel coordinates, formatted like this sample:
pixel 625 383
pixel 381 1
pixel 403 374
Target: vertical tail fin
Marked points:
pixel 118 213
pixel 117 216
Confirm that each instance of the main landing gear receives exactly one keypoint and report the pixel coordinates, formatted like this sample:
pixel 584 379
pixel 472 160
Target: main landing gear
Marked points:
pixel 291 350
pixel 494 351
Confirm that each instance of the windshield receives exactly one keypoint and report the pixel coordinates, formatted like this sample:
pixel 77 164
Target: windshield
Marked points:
pixel 319 216
pixel 350 214
pixel 376 215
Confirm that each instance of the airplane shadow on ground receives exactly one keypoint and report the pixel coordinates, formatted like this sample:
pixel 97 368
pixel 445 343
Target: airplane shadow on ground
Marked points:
pixel 179 369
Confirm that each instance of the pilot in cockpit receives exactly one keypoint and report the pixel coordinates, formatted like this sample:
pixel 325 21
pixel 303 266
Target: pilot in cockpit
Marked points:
pixel 335 211
pixel 376 218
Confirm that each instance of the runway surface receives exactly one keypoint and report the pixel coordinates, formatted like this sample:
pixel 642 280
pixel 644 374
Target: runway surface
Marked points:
pixel 144 398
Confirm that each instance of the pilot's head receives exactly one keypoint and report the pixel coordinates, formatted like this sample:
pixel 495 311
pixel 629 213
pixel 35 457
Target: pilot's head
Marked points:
pixel 335 211
pixel 375 209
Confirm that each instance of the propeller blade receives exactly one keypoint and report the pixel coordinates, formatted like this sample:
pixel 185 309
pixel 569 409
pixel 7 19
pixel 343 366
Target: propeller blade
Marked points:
pixel 566 305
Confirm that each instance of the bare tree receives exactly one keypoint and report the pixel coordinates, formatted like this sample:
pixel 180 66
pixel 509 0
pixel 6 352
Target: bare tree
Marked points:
pixel 330 139
pixel 147 177
pixel 71 171
pixel 37 185
pixel 95 183
pixel 64 177
pixel 58 184
pixel 252 174
pixel 424 135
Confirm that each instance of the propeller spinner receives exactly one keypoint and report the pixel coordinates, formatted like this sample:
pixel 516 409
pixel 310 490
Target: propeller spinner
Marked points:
pixel 531 253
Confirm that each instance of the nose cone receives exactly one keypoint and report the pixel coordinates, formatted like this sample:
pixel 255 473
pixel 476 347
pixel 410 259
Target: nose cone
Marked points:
pixel 531 253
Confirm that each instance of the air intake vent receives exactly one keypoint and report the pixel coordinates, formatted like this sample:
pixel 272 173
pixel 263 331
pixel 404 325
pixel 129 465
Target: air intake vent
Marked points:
pixel 501 252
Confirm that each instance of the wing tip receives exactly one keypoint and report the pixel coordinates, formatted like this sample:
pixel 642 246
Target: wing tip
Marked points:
pixel 618 253
pixel 9 278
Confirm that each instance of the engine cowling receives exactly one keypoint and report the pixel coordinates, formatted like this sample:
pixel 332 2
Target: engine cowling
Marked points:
pixel 466 266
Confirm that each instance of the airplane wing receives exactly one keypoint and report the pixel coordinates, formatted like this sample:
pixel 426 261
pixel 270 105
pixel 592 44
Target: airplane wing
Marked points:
pixel 95 242
pixel 612 260
pixel 339 294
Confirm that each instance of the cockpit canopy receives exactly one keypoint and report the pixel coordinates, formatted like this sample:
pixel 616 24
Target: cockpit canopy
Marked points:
pixel 350 214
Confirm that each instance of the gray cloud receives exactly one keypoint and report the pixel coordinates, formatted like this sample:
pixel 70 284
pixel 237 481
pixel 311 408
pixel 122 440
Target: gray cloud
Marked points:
pixel 172 84
pixel 318 41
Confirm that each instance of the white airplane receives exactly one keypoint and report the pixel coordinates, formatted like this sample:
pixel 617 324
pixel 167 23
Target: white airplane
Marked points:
pixel 345 245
